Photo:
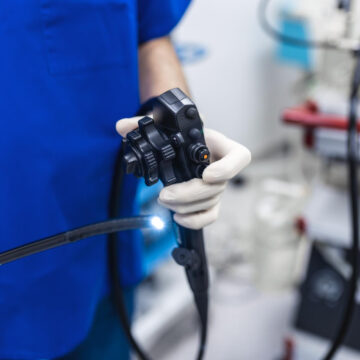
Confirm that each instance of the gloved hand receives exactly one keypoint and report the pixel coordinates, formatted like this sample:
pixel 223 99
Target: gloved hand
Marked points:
pixel 196 202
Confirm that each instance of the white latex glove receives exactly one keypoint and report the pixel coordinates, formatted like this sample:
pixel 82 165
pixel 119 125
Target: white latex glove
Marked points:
pixel 196 202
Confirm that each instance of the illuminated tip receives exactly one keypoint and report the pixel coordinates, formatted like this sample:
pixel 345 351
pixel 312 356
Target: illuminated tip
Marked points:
pixel 157 223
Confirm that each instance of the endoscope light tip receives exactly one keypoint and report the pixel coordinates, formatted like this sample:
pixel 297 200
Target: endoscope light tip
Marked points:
pixel 157 223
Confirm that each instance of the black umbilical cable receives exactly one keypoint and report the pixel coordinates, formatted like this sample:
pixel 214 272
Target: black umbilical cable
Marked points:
pixel 201 301
pixel 191 254
pixel 353 197
pixel 117 292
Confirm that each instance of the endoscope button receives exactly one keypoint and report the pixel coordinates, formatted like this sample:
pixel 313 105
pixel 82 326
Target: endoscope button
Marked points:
pixel 195 133
pixel 199 153
pixel 199 171
pixel 191 113
pixel 177 140
pixel 203 155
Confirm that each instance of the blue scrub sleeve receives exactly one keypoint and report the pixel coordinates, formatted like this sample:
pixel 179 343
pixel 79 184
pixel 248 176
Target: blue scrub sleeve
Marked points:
pixel 157 18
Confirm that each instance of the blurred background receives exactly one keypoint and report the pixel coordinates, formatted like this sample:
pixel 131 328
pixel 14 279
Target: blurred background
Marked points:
pixel 279 255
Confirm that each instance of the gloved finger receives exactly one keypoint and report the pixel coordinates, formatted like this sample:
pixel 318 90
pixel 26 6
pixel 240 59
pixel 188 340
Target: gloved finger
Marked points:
pixel 187 208
pixel 198 220
pixel 124 126
pixel 190 191
pixel 230 157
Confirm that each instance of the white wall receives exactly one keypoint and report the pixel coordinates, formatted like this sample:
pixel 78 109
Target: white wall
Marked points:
pixel 238 86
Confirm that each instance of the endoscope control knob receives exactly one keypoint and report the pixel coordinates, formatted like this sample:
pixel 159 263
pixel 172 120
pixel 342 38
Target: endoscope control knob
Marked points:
pixel 131 163
pixel 151 168
pixel 168 152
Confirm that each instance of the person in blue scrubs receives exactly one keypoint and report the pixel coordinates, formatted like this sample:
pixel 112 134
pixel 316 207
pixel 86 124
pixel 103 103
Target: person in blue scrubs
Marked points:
pixel 69 70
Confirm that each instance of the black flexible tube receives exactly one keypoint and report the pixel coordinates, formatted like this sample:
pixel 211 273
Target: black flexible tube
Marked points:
pixel 201 301
pixel 198 278
pixel 117 292
pixel 100 228
pixel 353 197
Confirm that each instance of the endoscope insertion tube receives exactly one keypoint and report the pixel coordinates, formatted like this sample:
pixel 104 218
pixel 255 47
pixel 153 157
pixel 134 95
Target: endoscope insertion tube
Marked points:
pixel 100 228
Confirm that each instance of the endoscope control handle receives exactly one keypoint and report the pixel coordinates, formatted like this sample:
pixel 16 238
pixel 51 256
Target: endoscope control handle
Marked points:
pixel 191 254
pixel 172 148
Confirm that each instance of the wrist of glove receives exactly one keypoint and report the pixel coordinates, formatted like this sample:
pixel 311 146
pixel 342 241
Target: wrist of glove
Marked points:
pixel 196 202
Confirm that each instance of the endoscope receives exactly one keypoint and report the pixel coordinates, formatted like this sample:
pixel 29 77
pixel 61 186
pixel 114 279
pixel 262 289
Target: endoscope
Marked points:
pixel 169 147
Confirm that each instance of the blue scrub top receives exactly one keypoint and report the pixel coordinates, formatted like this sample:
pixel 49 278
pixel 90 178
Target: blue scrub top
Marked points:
pixel 68 71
